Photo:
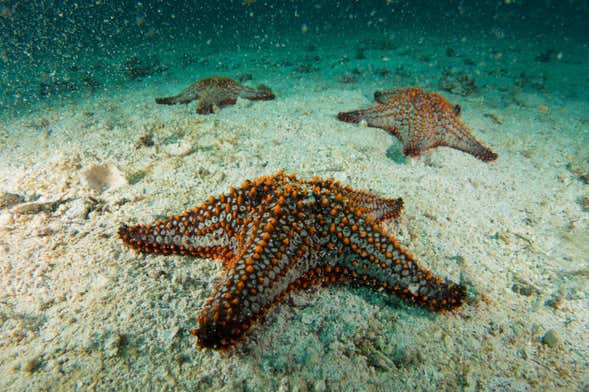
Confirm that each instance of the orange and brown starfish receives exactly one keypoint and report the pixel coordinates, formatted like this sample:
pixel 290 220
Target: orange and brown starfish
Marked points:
pixel 279 233
pixel 421 121
pixel 217 91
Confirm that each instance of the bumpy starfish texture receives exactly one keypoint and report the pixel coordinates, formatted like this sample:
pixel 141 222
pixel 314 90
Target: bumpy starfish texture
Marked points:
pixel 277 234
pixel 421 121
pixel 217 91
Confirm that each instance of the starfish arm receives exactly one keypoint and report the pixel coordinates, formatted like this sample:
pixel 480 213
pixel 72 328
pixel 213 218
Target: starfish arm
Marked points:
pixel 211 230
pixel 368 114
pixel 188 95
pixel 460 138
pixel 368 254
pixel 261 93
pixel 381 116
pixel 269 266
pixel 373 258
pixel 439 125
pixel 377 207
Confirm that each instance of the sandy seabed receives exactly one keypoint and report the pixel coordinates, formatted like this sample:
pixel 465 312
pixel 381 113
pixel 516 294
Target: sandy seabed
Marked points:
pixel 78 310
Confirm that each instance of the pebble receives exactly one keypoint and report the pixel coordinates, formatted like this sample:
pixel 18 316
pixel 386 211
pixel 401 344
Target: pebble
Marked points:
pixel 79 208
pixel 7 199
pixel 31 365
pixel 6 219
pixel 34 207
pixel 320 386
pixel 283 387
pixel 114 345
pixel 180 149
pixel 551 338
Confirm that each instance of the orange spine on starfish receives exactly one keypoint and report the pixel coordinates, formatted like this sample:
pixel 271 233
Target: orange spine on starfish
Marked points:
pixel 421 121
pixel 277 234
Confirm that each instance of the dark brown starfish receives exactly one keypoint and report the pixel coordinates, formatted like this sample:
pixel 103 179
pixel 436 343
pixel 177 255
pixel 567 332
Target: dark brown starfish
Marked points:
pixel 277 234
pixel 421 121
pixel 217 91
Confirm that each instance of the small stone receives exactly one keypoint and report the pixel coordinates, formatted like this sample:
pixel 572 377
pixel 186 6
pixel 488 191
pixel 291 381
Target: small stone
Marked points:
pixel 283 387
pixel 457 82
pixel 522 287
pixel 145 141
pixel 244 77
pixel 551 339
pixel 320 386
pixel 80 208
pixel 43 231
pixel 584 202
pixel 179 149
pixel 181 359
pixel 506 384
pixel 298 385
pixel 7 199
pixel 6 219
pixel 115 344
pixel 307 318
pixel 155 274
pixel 557 299
pixel 173 333
pixel 35 207
pixel 300 301
pixel 346 78
pixel 31 365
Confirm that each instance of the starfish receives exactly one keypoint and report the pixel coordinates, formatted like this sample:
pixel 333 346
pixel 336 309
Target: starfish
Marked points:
pixel 421 121
pixel 278 233
pixel 217 91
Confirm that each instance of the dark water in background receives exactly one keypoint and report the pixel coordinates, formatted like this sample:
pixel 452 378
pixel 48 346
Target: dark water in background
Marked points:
pixel 54 48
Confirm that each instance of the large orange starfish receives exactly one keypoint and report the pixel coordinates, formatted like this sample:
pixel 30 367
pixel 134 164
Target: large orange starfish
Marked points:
pixel 217 91
pixel 421 121
pixel 279 233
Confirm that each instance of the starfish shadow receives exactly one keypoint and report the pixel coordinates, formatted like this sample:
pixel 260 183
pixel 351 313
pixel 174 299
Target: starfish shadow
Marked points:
pixel 391 302
pixel 395 153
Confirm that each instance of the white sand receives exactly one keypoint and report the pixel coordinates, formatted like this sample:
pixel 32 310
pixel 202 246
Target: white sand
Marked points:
pixel 79 310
